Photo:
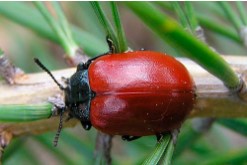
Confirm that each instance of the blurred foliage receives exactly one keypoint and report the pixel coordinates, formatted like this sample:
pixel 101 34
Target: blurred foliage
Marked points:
pixel 19 40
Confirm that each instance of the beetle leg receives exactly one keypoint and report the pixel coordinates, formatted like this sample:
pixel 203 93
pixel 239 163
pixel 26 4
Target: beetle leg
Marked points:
pixel 65 80
pixel 86 125
pixel 159 136
pixel 174 134
pixel 130 138
pixel 112 48
pixel 82 112
pixel 69 117
pixel 58 105
pixel 92 59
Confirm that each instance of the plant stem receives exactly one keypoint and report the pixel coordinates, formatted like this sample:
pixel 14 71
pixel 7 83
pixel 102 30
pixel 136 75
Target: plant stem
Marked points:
pixel 212 96
pixel 229 12
pixel 181 15
pixel 166 160
pixel 7 70
pixel 242 12
pixel 103 149
pixel 119 28
pixel 64 23
pixel 238 125
pixel 191 16
pixel 224 31
pixel 105 23
pixel 14 113
pixel 69 47
pixel 159 150
pixel 210 24
pixel 31 18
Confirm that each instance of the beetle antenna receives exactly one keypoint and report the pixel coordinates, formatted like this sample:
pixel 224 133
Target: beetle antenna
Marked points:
pixel 37 61
pixel 60 126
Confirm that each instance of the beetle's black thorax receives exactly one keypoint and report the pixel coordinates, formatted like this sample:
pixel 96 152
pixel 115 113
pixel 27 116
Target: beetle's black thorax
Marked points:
pixel 78 89
pixel 78 96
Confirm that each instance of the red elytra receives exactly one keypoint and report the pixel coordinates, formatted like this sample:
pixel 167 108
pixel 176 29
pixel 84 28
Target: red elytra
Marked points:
pixel 139 93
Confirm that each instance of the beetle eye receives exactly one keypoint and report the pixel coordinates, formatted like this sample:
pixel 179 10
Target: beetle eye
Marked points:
pixel 81 66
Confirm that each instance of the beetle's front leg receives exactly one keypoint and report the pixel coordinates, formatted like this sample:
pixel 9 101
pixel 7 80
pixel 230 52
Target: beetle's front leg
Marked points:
pixel 82 112
pixel 112 49
pixel 86 65
pixel 130 138
pixel 159 136
pixel 58 105
pixel 86 125
pixel 174 133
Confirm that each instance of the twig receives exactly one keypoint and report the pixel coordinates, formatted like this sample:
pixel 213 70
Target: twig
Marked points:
pixel 7 70
pixel 213 98
pixel 103 149
pixel 5 138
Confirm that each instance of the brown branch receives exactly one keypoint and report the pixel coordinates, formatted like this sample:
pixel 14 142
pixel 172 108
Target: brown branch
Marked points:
pixel 102 153
pixel 213 98
pixel 8 71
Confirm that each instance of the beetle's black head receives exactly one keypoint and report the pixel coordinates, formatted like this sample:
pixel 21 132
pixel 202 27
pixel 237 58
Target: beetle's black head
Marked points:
pixel 77 96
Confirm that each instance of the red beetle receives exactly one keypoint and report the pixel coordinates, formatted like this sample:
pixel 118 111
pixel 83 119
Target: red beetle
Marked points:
pixel 131 94
pixel 139 93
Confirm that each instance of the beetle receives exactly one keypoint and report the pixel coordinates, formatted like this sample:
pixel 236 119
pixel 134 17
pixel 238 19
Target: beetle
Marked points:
pixel 132 94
